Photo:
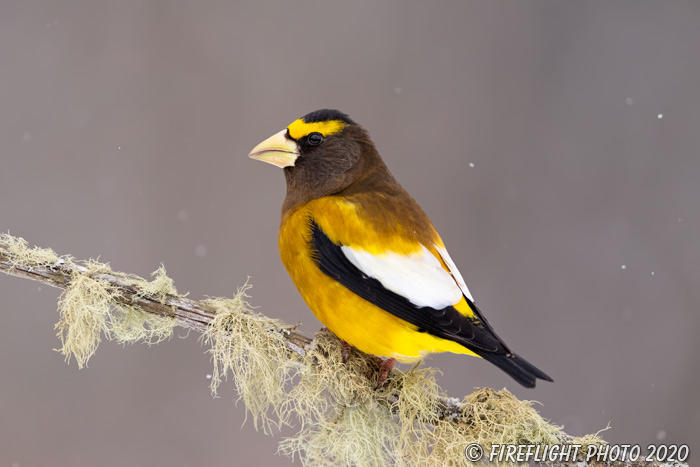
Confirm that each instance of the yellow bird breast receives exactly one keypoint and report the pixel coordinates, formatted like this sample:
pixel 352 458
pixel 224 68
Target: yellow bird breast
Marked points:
pixel 352 318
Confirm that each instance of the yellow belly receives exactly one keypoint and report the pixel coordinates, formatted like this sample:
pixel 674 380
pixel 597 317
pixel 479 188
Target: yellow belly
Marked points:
pixel 352 318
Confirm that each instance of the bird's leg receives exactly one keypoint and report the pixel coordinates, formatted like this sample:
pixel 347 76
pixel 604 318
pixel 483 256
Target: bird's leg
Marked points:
pixel 384 368
pixel 344 350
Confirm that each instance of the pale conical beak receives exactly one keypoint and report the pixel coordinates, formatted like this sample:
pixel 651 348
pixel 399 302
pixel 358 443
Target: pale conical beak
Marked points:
pixel 277 149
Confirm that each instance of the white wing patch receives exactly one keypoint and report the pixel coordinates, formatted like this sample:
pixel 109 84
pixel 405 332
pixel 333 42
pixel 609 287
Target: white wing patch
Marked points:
pixel 419 277
pixel 455 272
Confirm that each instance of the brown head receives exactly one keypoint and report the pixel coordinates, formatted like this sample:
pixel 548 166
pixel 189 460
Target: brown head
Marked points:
pixel 325 153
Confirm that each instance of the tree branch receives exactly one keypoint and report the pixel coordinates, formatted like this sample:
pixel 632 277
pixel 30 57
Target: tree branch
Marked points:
pixel 188 313
pixel 42 265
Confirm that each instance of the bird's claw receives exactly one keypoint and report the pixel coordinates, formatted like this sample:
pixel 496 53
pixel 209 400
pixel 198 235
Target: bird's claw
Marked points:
pixel 345 351
pixel 384 368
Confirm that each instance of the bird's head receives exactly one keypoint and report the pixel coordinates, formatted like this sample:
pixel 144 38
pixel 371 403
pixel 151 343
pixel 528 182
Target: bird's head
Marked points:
pixel 322 153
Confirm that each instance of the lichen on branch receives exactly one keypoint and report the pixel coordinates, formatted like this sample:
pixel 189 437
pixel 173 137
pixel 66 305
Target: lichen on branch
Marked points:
pixel 282 376
pixel 89 307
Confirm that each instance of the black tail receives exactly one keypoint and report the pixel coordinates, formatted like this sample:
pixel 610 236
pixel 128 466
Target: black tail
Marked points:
pixel 517 367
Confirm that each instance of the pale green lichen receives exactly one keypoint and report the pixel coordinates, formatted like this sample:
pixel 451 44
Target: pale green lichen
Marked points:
pixel 131 325
pixel 20 253
pixel 85 309
pixel 345 420
pixel 89 308
pixel 252 348
pixel 160 287
pixel 342 418
pixel 492 417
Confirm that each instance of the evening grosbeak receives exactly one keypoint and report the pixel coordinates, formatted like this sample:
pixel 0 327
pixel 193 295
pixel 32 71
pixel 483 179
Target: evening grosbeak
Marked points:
pixel 366 258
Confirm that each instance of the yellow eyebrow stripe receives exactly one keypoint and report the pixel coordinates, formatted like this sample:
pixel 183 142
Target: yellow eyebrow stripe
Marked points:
pixel 299 128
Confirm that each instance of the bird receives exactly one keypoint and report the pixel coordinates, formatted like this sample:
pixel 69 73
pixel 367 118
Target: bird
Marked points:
pixel 366 258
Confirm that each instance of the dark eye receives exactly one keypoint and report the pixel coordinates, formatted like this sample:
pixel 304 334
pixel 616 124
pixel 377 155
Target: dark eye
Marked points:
pixel 315 139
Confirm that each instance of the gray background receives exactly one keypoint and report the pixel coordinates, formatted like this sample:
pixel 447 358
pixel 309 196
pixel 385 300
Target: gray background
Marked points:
pixel 124 130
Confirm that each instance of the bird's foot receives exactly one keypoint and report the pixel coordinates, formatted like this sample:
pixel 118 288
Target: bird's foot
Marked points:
pixel 344 351
pixel 384 368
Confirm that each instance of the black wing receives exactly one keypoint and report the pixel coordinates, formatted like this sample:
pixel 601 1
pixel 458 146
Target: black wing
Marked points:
pixel 446 323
